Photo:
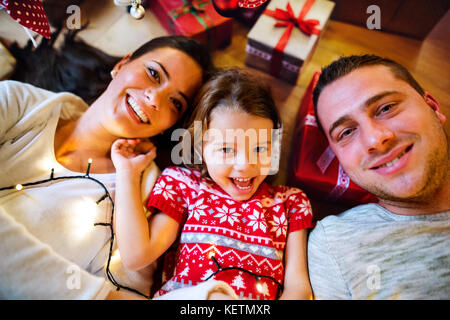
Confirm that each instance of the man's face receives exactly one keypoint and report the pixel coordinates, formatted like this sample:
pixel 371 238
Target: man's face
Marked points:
pixel 388 138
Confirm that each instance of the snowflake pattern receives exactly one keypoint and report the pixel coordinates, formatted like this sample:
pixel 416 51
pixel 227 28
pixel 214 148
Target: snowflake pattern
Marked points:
pixel 305 207
pixel 227 214
pixel 257 221
pixel 198 210
pixel 280 225
pixel 165 190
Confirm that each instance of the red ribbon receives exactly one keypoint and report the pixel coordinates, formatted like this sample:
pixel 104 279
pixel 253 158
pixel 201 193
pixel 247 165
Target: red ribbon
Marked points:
pixel 287 19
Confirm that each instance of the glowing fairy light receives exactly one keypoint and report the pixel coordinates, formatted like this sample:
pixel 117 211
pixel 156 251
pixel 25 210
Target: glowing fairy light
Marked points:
pixel 19 187
pixel 115 256
pixel 85 211
pixel 259 287
pixel 89 166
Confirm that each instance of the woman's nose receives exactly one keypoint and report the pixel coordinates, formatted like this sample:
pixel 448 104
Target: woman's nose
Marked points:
pixel 153 98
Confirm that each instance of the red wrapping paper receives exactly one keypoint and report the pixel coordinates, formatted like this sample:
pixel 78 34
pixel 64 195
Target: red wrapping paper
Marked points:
pixel 205 25
pixel 314 167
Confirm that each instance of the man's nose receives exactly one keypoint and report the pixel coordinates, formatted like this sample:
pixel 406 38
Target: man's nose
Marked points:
pixel 377 137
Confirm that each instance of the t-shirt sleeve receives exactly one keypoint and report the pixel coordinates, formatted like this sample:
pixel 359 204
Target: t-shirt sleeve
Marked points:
pixel 299 210
pixel 326 279
pixel 173 192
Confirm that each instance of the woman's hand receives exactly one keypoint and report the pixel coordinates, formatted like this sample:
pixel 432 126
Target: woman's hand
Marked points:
pixel 132 154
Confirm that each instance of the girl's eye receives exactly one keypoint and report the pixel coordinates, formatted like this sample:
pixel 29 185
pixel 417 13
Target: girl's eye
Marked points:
pixel 260 149
pixel 154 74
pixel 227 150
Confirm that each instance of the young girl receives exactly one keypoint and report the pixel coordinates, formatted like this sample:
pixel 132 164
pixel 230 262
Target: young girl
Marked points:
pixel 234 226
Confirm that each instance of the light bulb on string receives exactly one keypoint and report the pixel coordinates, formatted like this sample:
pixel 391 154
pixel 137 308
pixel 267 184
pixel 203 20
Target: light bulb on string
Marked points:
pixel 89 166
pixel 19 187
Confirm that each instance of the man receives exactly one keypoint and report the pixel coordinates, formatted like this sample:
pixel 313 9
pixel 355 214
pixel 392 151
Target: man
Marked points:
pixel 388 135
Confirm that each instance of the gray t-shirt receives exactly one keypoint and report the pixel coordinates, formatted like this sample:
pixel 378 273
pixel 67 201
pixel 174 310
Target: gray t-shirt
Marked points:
pixel 370 253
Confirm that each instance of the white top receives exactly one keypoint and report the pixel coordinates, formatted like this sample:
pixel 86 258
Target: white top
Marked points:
pixel 49 247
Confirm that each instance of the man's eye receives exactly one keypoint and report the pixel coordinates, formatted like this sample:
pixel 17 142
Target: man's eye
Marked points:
pixel 154 73
pixel 345 133
pixel 386 108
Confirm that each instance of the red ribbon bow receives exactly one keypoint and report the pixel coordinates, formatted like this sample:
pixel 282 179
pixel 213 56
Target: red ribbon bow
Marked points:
pixel 287 19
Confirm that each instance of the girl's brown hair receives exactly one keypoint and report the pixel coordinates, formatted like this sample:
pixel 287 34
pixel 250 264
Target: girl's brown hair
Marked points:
pixel 234 89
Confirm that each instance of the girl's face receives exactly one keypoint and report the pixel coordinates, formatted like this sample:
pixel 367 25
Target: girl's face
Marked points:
pixel 149 94
pixel 237 151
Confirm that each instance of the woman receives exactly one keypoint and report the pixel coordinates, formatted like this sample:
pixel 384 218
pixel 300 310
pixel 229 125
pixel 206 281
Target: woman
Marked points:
pixel 50 247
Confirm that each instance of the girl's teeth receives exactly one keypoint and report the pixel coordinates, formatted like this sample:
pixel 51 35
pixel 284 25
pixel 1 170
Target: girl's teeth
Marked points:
pixel 242 184
pixel 137 109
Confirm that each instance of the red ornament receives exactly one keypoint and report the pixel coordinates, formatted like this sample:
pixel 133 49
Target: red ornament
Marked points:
pixel 230 8
pixel 28 13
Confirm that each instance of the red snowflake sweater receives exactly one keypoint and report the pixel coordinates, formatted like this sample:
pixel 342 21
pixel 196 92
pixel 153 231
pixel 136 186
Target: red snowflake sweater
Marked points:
pixel 250 235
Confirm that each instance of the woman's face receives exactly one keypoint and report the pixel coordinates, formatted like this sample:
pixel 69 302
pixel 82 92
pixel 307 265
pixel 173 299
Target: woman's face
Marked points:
pixel 149 94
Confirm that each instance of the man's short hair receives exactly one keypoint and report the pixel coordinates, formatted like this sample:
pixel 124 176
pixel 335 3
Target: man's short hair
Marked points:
pixel 345 65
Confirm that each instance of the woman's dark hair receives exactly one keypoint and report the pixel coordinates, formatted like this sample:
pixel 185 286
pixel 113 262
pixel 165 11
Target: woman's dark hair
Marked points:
pixel 192 48
pixel 84 70
pixel 75 67
pixel 345 65
pixel 235 89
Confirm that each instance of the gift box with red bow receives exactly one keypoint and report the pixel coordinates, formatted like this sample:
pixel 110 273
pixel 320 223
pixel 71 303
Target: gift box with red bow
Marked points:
pixel 285 35
pixel 314 167
pixel 195 19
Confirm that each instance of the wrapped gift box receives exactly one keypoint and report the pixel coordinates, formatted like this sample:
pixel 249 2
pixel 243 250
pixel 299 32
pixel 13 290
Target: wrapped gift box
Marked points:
pixel 278 45
pixel 314 167
pixel 195 19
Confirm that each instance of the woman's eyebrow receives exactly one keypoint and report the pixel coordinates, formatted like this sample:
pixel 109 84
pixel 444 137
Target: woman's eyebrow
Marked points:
pixel 168 77
pixel 163 69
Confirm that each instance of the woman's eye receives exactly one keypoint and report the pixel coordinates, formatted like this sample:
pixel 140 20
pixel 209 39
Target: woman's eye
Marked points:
pixel 154 74
pixel 260 149
pixel 177 104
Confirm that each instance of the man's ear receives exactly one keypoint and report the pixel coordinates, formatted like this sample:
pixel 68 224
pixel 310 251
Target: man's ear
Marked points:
pixel 119 64
pixel 434 104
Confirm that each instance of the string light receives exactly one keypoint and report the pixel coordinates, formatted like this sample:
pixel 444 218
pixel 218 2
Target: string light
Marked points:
pixel 259 287
pixel 116 255
pixel 88 167
pixel 109 224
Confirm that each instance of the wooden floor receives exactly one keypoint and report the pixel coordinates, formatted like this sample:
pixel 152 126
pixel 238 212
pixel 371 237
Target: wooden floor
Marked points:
pixel 114 31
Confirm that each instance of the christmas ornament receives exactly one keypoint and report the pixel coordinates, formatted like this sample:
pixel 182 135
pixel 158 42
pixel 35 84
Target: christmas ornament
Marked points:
pixel 137 11
pixel 233 8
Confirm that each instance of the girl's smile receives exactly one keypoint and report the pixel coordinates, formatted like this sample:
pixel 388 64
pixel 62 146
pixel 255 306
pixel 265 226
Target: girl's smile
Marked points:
pixel 237 162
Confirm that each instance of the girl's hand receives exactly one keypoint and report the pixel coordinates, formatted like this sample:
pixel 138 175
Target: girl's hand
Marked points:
pixel 132 154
